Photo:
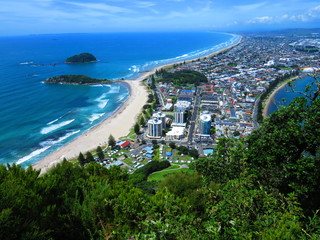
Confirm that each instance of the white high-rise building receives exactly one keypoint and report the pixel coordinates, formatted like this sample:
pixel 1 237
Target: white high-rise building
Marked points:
pixel 154 128
pixel 179 115
pixel 162 117
pixel 205 123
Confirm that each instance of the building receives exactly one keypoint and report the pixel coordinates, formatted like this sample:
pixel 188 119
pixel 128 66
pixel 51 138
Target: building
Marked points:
pixel 162 117
pixel 205 123
pixel 176 133
pixel 125 144
pixel 182 105
pixel 154 128
pixel 180 115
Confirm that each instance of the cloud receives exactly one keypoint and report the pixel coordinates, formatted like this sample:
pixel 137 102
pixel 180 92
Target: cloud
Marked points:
pixel 250 7
pixel 265 19
pixel 145 4
pixel 100 7
pixel 309 15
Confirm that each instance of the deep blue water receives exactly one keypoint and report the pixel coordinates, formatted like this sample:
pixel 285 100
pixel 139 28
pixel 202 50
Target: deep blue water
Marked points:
pixel 38 118
pixel 287 94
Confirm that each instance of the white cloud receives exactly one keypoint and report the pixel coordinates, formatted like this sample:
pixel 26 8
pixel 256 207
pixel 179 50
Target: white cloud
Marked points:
pixel 250 7
pixel 265 19
pixel 100 7
pixel 145 4
pixel 306 16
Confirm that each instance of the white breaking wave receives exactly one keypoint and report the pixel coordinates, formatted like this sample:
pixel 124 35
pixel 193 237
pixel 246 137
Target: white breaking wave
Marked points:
pixel 102 101
pixel 33 154
pixel 115 89
pixel 95 116
pixel 134 68
pixel 54 127
pixel 50 143
pixel 45 146
pixel 122 97
pixel 26 63
pixel 56 120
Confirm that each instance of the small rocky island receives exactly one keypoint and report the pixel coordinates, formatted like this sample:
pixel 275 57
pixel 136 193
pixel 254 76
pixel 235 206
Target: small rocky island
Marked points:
pixel 76 80
pixel 81 58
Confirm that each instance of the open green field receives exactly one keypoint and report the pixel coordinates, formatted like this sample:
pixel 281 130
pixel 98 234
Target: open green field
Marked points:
pixel 158 176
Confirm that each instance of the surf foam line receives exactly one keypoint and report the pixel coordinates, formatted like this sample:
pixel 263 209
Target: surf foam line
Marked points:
pixel 45 146
pixel 55 127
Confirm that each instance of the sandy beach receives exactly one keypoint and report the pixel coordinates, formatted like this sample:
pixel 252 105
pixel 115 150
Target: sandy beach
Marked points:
pixel 117 125
pixel 270 98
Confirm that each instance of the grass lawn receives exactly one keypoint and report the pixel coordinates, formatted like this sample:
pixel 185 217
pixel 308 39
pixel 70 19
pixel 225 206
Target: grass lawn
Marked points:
pixel 173 167
pixel 158 176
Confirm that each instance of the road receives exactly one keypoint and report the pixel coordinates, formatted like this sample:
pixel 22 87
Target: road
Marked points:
pixel 194 115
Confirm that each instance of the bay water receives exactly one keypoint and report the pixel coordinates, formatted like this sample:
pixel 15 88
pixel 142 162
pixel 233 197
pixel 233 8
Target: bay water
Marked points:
pixel 38 118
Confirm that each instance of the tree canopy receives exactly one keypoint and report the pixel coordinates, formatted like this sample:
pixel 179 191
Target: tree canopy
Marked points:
pixel 184 77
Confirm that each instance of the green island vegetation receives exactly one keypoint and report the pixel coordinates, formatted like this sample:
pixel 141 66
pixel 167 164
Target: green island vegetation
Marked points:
pixel 81 58
pixel 76 79
pixel 265 186
pixel 182 77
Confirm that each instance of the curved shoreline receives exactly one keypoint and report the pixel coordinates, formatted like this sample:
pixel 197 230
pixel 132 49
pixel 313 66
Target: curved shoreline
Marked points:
pixel 119 124
pixel 274 92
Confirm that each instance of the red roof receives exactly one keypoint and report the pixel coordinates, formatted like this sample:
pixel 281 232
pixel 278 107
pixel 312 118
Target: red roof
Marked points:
pixel 125 144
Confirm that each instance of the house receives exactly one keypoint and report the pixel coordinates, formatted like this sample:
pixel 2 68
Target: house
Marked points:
pixel 125 144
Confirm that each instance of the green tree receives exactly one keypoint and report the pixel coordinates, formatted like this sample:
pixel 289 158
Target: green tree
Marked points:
pixel 100 153
pixel 228 161
pixel 142 120
pixel 89 157
pixel 172 145
pixel 137 128
pixel 81 159
pixel 111 141
pixel 284 152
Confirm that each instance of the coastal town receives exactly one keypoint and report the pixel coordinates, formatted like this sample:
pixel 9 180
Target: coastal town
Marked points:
pixel 160 120
pixel 181 122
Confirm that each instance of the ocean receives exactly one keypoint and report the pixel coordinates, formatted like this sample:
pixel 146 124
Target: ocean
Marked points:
pixel 287 94
pixel 38 118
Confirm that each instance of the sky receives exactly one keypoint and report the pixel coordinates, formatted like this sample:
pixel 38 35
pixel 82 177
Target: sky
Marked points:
pixel 20 17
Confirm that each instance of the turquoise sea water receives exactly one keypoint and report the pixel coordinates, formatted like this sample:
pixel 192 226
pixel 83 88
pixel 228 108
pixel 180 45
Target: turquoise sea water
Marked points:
pixel 38 118
pixel 287 94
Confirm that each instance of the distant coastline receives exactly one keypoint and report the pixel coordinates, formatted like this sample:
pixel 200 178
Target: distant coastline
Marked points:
pixel 120 123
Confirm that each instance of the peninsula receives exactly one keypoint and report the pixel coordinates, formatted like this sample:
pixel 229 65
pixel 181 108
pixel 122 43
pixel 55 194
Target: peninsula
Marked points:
pixel 81 58
pixel 76 80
